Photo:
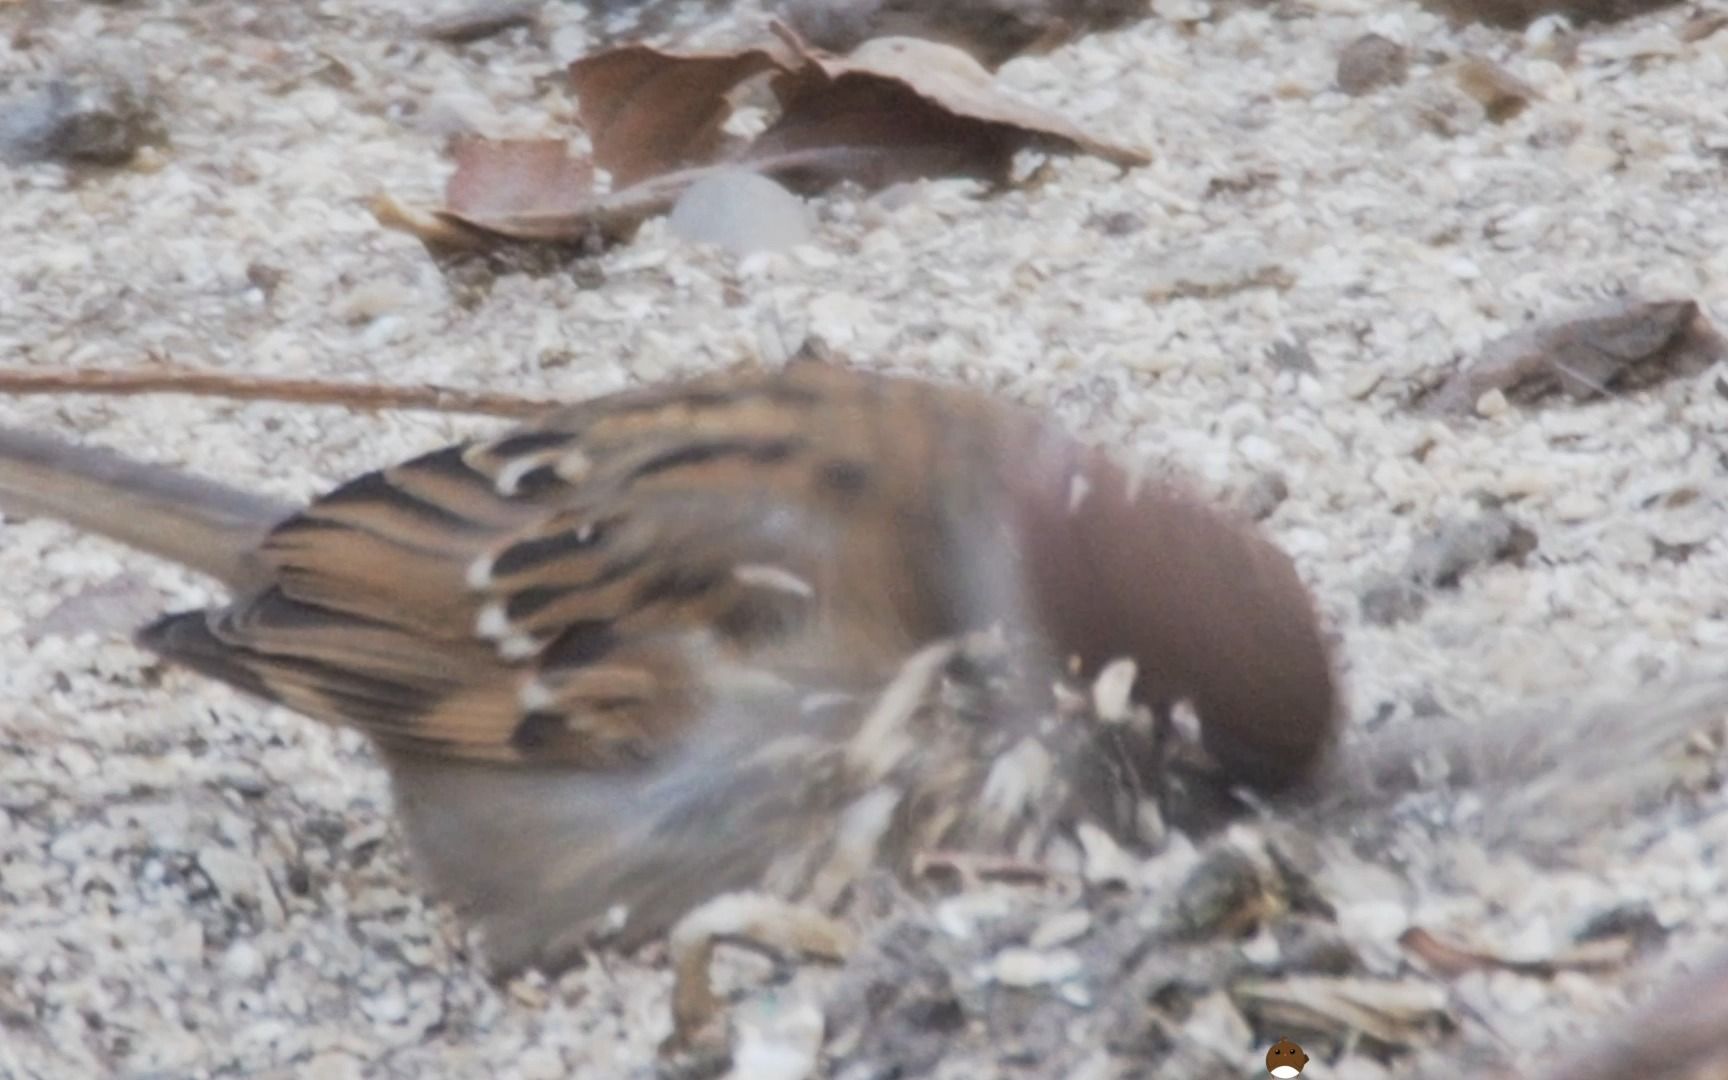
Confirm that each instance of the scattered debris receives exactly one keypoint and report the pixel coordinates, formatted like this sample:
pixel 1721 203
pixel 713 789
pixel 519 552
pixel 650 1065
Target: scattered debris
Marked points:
pixel 1623 345
pixel 1228 893
pixel 1440 560
pixel 1391 1014
pixel 1371 62
pixel 751 918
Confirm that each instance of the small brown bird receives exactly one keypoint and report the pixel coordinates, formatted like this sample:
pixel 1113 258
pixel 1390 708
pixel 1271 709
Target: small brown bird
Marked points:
pixel 606 657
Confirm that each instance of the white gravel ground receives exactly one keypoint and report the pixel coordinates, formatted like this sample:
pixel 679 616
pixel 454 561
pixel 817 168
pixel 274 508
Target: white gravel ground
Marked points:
pixel 192 885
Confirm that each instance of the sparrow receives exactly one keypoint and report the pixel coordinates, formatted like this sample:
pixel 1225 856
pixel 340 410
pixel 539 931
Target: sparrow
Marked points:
pixel 654 648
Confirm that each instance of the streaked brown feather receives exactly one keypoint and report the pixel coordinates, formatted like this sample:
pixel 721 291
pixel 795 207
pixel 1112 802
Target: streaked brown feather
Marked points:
pixel 628 519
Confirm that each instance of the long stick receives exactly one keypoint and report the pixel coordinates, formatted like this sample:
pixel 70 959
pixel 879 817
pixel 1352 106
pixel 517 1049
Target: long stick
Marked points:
pixel 198 383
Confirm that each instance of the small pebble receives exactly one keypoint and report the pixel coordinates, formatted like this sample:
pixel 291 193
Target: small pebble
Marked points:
pixel 1361 382
pixel 95 118
pixel 1185 11
pixel 242 961
pixel 1370 62
pixel 1576 506
pixel 541 1063
pixel 1033 967
pixel 1061 928
pixel 1112 691
pixel 1106 862
pixel 741 212
pixel 234 876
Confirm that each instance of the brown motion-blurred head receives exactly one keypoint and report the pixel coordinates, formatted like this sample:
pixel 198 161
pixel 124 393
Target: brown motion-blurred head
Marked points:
pixel 1208 609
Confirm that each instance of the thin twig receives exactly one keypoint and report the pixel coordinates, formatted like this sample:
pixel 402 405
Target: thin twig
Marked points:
pixel 363 396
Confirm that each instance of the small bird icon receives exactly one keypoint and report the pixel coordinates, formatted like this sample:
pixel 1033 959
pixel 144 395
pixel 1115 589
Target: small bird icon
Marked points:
pixel 1285 1059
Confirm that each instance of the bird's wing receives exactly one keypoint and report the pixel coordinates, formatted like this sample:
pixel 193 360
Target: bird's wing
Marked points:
pixel 570 593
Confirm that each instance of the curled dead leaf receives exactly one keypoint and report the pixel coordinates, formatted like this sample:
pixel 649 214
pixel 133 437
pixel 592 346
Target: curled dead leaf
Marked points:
pixel 430 227
pixel 529 189
pixel 1629 343
pixel 649 111
pixel 898 109
pixel 951 81
pixel 502 179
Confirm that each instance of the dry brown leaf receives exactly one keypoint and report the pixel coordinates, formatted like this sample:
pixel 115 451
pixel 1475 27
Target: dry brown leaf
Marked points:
pixel 529 189
pixel 949 78
pixel 501 187
pixel 897 109
pixel 503 179
pixel 435 228
pixel 649 111
pixel 902 109
pixel 1628 343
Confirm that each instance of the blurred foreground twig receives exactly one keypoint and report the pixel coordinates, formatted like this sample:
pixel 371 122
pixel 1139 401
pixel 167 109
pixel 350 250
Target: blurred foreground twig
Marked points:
pixel 366 396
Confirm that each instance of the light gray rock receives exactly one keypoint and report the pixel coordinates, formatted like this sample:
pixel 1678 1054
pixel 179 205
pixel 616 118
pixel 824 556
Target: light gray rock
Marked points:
pixel 742 212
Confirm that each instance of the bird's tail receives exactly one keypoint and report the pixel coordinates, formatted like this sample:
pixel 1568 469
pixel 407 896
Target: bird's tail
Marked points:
pixel 1548 778
pixel 199 523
